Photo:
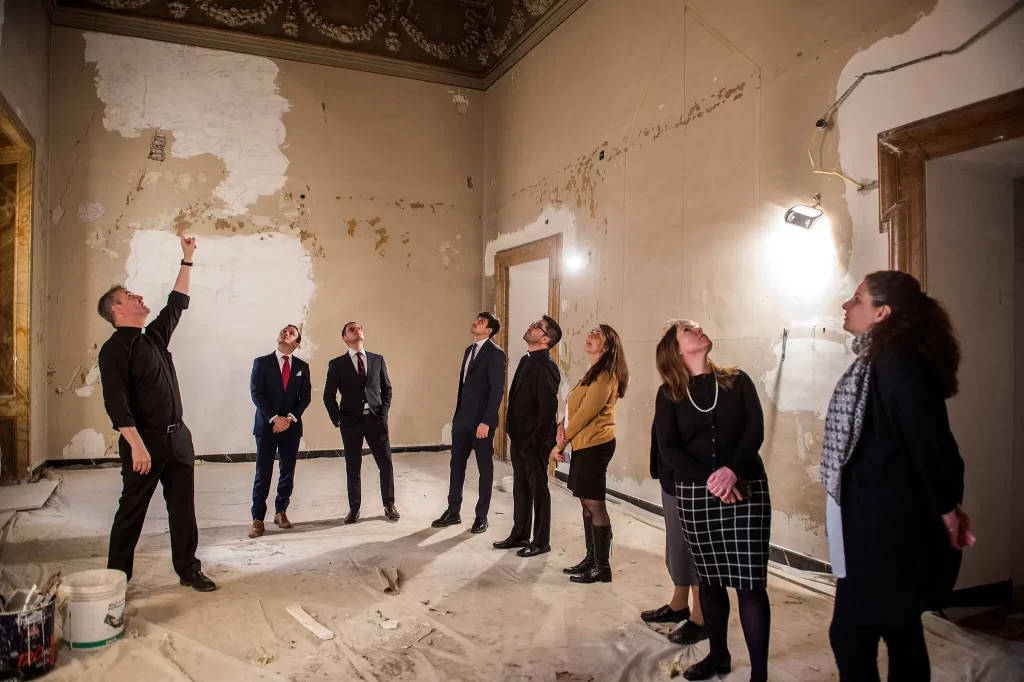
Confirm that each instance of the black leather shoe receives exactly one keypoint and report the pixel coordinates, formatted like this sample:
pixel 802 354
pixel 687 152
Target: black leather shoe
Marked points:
pixel 353 515
pixel 510 543
pixel 479 525
pixel 198 582
pixel 447 519
pixel 708 668
pixel 666 614
pixel 533 550
pixel 688 633
pixel 391 513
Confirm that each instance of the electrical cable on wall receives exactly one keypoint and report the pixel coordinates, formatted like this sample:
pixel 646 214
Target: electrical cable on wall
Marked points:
pixel 825 121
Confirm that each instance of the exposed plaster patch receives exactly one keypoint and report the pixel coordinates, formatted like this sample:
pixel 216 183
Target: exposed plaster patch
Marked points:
pixel 57 214
pixel 91 378
pixel 551 221
pixel 90 213
pixel 86 444
pixel 230 299
pixel 198 95
pixel 446 434
pixel 97 240
pixel 448 253
pixel 460 101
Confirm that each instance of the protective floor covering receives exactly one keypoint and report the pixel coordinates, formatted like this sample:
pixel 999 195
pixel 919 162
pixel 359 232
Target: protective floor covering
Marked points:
pixel 464 611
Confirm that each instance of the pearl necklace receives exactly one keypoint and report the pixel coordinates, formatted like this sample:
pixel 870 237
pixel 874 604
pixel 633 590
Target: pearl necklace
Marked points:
pixel 713 404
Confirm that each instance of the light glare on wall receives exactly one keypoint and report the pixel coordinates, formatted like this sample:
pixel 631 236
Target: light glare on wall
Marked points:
pixel 803 216
pixel 574 262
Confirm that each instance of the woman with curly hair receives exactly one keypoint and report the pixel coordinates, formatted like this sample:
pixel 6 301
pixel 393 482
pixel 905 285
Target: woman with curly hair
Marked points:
pixel 894 477
pixel 591 430
pixel 710 426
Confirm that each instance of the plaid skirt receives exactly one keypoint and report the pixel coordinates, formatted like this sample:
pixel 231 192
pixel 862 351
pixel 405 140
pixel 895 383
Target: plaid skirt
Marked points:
pixel 729 542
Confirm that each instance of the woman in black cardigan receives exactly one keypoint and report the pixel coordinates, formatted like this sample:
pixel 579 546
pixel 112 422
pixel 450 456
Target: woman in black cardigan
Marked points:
pixel 894 478
pixel 709 426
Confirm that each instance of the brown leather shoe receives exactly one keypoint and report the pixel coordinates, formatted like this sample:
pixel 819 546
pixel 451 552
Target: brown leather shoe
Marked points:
pixel 256 530
pixel 281 520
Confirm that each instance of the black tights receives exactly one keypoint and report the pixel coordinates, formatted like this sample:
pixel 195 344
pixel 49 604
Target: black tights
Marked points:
pixel 596 511
pixel 755 616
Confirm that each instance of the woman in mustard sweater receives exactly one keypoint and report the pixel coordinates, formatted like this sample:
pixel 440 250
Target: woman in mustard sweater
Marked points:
pixel 591 430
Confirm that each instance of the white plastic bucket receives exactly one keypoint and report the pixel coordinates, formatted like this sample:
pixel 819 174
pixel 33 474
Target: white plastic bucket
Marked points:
pixel 91 604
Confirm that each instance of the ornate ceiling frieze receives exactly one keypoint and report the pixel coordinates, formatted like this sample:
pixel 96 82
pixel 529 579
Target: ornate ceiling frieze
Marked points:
pixel 463 37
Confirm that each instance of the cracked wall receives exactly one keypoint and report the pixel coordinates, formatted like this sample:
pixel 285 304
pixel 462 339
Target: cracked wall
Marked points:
pixel 24 82
pixel 669 151
pixel 319 196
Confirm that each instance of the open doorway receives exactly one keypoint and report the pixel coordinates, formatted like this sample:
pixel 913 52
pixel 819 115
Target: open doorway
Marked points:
pixel 16 174
pixel 527 285
pixel 952 200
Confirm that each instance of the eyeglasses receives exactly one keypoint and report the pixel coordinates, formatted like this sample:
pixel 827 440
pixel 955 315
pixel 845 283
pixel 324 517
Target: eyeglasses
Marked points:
pixel 540 326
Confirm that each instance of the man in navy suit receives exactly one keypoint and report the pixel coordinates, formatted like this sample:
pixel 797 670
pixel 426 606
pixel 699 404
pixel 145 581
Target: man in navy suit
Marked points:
pixel 280 388
pixel 481 384
pixel 362 380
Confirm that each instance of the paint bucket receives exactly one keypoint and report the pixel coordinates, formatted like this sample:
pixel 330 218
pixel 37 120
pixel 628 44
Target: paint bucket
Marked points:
pixel 27 643
pixel 91 604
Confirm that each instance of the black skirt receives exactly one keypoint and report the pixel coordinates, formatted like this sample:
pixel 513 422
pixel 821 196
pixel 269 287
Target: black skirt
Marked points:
pixel 729 542
pixel 588 470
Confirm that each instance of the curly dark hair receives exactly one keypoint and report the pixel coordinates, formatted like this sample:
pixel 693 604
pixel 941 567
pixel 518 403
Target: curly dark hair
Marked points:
pixel 917 321
pixel 613 361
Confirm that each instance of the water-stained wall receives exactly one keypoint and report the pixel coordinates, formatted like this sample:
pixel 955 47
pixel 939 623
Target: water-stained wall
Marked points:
pixel 319 196
pixel 666 140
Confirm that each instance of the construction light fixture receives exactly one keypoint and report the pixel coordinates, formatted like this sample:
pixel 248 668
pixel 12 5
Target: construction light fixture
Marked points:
pixel 803 216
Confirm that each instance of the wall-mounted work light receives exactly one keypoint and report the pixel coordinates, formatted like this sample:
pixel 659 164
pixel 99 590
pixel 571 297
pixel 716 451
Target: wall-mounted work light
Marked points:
pixel 803 216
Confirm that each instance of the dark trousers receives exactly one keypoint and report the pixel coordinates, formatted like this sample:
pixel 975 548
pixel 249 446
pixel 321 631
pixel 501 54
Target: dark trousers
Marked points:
pixel 463 442
pixel 375 431
pixel 856 651
pixel 173 466
pixel 285 446
pixel 530 495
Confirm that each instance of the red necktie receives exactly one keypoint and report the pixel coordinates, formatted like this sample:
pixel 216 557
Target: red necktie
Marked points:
pixel 362 367
pixel 286 372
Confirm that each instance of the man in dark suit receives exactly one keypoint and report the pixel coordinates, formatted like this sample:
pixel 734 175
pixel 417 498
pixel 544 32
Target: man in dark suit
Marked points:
pixel 481 383
pixel 531 417
pixel 280 388
pixel 362 412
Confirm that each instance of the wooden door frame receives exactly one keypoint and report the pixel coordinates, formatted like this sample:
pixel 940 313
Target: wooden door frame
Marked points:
pixel 550 248
pixel 17 405
pixel 903 155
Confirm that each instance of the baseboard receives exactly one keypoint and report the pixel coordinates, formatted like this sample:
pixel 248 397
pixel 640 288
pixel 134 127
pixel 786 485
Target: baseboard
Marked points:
pixel 779 555
pixel 242 456
pixel 981 596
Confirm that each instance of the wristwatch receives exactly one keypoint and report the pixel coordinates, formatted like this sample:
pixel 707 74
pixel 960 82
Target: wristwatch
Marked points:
pixel 185 262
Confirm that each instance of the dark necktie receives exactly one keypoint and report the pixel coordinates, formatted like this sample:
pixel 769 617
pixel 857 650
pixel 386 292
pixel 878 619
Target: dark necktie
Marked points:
pixel 362 367
pixel 286 371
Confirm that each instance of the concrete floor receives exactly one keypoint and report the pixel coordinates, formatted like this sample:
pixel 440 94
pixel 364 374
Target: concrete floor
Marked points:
pixel 465 612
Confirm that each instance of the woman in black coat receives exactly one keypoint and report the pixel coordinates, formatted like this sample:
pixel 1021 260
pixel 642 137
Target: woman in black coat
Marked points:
pixel 894 478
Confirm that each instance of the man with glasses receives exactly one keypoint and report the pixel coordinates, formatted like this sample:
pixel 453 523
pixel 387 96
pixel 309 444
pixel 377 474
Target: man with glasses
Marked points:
pixel 362 413
pixel 531 425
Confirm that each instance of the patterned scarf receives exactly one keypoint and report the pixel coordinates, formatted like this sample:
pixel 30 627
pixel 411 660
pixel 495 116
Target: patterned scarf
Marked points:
pixel 845 418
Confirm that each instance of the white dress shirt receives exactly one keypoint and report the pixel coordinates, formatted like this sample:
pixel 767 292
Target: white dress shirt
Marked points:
pixel 469 358
pixel 280 366
pixel 355 364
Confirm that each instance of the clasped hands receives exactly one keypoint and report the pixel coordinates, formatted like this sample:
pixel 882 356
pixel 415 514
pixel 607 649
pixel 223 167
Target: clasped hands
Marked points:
pixel 557 451
pixel 281 423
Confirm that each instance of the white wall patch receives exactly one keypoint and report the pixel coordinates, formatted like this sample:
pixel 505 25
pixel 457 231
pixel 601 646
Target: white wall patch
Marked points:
pixel 211 101
pixel 87 444
pixel 804 381
pixel 234 305
pixel 86 389
pixel 551 221
pixel 90 213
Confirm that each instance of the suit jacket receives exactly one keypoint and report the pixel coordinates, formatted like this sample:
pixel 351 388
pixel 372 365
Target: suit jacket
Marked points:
pixel 481 391
pixel 342 377
pixel 533 402
pixel 271 399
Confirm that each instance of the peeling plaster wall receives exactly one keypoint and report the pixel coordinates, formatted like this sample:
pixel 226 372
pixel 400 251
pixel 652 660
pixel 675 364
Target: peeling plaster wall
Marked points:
pixel 704 114
pixel 24 81
pixel 319 196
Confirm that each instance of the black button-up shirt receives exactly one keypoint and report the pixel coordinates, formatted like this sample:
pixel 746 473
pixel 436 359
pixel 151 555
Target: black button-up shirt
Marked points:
pixel 140 386
pixel 694 444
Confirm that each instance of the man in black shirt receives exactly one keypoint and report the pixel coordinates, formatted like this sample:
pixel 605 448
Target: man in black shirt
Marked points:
pixel 140 393
pixel 531 419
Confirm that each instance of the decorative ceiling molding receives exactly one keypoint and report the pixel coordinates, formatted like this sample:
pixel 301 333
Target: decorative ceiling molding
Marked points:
pixel 471 43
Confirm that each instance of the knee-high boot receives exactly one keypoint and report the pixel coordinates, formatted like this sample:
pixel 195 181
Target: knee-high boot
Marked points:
pixel 588 561
pixel 601 571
